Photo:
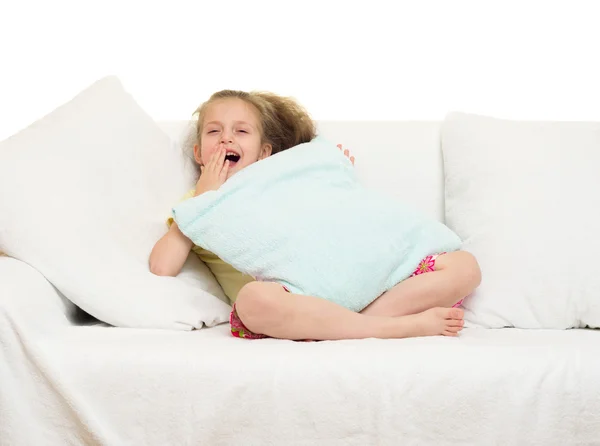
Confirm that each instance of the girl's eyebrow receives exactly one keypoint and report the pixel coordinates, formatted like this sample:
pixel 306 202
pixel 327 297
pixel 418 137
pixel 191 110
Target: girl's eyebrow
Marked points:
pixel 236 122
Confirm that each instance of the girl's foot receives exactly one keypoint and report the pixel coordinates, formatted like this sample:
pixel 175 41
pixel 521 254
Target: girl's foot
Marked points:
pixel 434 322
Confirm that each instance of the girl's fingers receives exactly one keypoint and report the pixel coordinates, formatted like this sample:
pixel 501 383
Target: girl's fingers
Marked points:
pixel 217 158
pixel 347 153
pixel 352 160
pixel 212 162
pixel 225 169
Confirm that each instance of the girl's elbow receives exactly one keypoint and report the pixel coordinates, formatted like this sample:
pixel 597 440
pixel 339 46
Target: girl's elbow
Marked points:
pixel 161 269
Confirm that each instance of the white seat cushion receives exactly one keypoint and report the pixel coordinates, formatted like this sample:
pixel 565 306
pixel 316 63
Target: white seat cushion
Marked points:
pixel 515 386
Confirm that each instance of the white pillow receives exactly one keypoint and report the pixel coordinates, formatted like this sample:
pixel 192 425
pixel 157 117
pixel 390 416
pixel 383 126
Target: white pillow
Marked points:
pixel 83 197
pixel 525 199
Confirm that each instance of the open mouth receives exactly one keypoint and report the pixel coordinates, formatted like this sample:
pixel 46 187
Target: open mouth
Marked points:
pixel 232 158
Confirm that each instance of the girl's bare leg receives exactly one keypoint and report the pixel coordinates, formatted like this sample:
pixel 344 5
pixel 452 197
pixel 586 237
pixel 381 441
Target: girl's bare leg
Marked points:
pixel 266 308
pixel 456 275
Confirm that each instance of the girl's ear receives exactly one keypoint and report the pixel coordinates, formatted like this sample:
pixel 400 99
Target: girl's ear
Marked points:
pixel 197 156
pixel 265 151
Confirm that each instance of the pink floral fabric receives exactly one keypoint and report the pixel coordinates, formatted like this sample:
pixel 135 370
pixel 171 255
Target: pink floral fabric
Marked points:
pixel 428 264
pixel 239 330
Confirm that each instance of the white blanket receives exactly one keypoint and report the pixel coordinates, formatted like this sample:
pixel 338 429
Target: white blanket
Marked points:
pixel 62 384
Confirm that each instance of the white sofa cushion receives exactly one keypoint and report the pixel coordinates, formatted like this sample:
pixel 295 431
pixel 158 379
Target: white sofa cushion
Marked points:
pixel 399 158
pixel 84 192
pixel 525 199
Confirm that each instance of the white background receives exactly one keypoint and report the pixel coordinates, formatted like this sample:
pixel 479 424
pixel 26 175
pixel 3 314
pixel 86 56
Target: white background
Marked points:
pixel 341 59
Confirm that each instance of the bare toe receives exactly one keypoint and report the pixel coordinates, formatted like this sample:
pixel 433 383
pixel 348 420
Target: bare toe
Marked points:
pixel 453 329
pixel 455 313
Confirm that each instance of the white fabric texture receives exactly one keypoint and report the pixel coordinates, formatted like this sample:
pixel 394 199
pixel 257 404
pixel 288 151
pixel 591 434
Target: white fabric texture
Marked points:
pixel 525 199
pixel 84 192
pixel 101 385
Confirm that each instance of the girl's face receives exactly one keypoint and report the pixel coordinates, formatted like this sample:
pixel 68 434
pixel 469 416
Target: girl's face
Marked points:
pixel 233 124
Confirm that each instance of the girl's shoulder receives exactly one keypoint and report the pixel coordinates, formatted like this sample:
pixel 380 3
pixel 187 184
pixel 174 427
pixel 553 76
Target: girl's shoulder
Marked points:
pixel 189 194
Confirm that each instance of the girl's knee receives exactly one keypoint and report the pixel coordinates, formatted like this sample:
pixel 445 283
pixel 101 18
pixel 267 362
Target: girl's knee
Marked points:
pixel 255 304
pixel 464 264
pixel 470 269
pixel 249 300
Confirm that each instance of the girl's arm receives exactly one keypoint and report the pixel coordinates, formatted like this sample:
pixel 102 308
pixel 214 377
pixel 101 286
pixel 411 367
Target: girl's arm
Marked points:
pixel 170 252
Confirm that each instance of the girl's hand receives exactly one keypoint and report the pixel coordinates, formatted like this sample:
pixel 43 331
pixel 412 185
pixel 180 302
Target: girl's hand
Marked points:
pixel 347 153
pixel 214 174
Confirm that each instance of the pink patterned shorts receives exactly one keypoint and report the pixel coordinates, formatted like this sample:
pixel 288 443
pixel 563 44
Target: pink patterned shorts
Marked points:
pixel 239 330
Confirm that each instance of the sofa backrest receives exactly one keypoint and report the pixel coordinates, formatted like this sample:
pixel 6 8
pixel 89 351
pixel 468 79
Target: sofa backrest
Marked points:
pixel 400 158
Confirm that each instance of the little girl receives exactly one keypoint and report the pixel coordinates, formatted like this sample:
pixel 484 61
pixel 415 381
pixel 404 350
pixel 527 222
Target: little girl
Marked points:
pixel 235 129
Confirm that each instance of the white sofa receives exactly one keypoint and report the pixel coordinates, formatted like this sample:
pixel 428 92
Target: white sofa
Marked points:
pixel 66 378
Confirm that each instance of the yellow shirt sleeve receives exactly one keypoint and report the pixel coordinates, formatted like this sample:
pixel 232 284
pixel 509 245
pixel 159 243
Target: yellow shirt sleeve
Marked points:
pixel 189 194
pixel 230 279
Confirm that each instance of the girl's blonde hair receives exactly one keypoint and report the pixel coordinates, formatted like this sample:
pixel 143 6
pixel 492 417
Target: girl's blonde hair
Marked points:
pixel 284 122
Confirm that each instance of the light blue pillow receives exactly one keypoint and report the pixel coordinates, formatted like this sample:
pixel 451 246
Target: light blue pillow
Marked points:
pixel 302 219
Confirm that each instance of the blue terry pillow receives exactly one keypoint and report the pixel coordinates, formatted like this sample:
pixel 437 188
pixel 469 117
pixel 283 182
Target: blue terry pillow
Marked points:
pixel 302 219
